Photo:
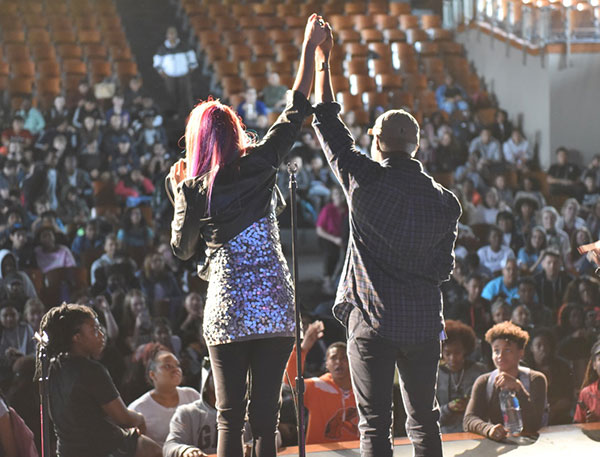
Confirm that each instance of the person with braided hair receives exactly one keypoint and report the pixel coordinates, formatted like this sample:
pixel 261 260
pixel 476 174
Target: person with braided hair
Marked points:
pixel 86 408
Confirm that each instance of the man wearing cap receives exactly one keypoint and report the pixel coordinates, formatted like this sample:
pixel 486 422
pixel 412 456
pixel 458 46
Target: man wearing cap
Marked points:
pixel 403 226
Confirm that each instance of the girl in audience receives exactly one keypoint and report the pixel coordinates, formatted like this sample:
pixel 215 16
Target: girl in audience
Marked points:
pixel 521 316
pixel 89 415
pixel 136 326
pixel 190 318
pixel 569 220
pixel 135 231
pixel 588 403
pixel 33 312
pixel 529 258
pixel 581 264
pixel 159 404
pixel 160 287
pixel 488 211
pixel 48 254
pixel 329 230
pixel 593 220
pixel 501 310
pixel 525 208
pixel 456 375
pixel 483 414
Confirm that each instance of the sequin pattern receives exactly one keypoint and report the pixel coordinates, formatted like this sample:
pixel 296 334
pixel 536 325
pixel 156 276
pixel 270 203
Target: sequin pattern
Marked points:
pixel 250 292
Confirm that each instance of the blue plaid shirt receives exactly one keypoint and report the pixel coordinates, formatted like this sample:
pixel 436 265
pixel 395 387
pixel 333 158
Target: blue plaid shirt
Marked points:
pixel 403 226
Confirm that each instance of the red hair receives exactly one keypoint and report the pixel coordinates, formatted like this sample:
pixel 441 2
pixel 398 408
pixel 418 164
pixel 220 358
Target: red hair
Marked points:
pixel 214 137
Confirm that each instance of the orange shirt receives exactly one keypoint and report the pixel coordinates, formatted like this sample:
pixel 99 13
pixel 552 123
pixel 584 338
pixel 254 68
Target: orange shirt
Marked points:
pixel 332 415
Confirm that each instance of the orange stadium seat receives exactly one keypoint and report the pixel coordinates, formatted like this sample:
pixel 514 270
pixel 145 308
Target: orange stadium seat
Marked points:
pixel 255 37
pixel 272 22
pixel 348 36
pixel 349 102
pixel 375 99
pixel 35 21
pixel 64 36
pixel 356 50
pixel 125 71
pixel 16 52
pixel 259 82
pixel 232 85
pixel 13 36
pixel 249 22
pixel 377 7
pixel 382 50
pixel 357 66
pixel 216 52
pixel 250 68
pixel 389 81
pixel 239 52
pixel 355 8
pixel 360 84
pixel 264 9
pixel 394 36
pixel 341 22
pixel 381 66
pixel 340 83
pixel 409 21
pixel 23 69
pixel 38 35
pixel 69 51
pixel 86 23
pixel 48 86
pixel 280 36
pixel 20 86
pixel 414 35
pixel 232 37
pixel 43 51
pixel 221 23
pixel 95 51
pixel 74 67
pixel 263 51
pixel 397 8
pixel 118 53
pixel 402 98
pixel 99 70
pixel 48 69
pixel 371 36
pixel 427 48
pixel 429 21
pixel 89 36
pixel 32 7
pixel 364 21
pixel 282 68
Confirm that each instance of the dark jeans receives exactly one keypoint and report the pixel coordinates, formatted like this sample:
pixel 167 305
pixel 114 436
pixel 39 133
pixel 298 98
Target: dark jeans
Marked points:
pixel 179 91
pixel 265 360
pixel 372 363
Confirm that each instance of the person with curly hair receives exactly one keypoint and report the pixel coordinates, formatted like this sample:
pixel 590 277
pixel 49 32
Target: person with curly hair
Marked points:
pixel 457 375
pixel 483 414
pixel 86 408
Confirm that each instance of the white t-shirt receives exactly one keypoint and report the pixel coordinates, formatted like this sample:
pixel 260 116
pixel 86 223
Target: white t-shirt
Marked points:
pixel 157 416
pixel 493 260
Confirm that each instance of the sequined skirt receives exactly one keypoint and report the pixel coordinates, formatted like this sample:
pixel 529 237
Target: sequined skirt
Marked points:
pixel 250 292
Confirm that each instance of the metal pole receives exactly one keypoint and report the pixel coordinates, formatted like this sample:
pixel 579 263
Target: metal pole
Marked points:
pixel 42 341
pixel 292 170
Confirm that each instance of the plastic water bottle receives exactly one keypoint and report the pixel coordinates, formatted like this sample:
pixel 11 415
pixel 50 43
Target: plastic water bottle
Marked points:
pixel 511 412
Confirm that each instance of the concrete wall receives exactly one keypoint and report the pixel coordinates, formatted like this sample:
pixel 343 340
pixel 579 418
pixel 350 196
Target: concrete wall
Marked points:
pixel 556 104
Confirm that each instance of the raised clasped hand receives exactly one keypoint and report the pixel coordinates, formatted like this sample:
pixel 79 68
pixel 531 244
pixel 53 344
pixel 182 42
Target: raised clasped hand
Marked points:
pixel 315 32
pixel 177 173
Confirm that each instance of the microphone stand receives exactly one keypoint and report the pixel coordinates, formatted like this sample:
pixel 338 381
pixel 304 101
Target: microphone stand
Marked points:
pixel 292 169
pixel 42 340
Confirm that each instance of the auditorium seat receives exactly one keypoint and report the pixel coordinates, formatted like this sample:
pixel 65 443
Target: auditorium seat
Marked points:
pixel 69 51
pixel 125 70
pixel 375 7
pixel 216 52
pixel 42 52
pixel 86 23
pixel 16 52
pixel 232 37
pixel 255 36
pixel 252 68
pixel 239 52
pixel 374 99
pixel 381 51
pixel 89 36
pixel 340 83
pixel 385 22
pixel 355 50
pixel 13 36
pixel 394 36
pixel 35 21
pixel 389 81
pixel 355 8
pixel 64 36
pixel 259 82
pixel 364 22
pixel 118 53
pixel 399 8
pixel 409 21
pixel 99 70
pixel 20 86
pixel 348 36
pixel 349 101
pixel 371 36
pixel 429 21
pixel 381 66
pixel 23 69
pixel 74 67
pixel 415 35
pixel 286 52
pixel 95 51
pixel 38 36
pixel 357 66
pixel 360 84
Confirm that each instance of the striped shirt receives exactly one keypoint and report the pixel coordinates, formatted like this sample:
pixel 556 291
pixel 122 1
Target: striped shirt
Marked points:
pixel 403 226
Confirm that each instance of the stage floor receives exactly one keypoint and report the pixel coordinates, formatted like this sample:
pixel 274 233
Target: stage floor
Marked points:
pixel 556 441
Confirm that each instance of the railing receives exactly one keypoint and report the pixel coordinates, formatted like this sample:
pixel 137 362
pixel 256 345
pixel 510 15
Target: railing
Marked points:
pixel 534 22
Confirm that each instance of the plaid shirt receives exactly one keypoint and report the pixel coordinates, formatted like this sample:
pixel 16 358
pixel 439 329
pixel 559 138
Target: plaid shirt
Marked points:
pixel 403 226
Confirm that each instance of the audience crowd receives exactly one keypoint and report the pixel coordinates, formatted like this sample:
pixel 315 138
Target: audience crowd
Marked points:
pixel 84 218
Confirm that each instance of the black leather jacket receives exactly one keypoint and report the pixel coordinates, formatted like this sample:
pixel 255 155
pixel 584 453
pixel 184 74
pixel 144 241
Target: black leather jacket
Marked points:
pixel 243 192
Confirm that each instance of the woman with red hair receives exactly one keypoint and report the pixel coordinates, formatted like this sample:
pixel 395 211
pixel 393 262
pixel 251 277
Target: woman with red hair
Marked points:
pixel 224 194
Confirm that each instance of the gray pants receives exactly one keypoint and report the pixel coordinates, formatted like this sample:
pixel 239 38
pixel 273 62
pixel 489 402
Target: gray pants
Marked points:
pixel 372 363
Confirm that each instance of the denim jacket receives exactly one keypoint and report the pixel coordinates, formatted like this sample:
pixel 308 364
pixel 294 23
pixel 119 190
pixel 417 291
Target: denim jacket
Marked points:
pixel 243 192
